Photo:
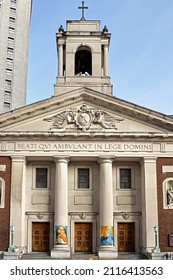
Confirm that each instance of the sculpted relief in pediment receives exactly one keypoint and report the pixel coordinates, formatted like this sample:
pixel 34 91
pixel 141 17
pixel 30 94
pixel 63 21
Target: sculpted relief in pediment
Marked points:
pixel 83 119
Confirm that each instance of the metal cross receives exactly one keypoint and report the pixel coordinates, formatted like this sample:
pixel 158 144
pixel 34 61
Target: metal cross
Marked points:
pixel 83 10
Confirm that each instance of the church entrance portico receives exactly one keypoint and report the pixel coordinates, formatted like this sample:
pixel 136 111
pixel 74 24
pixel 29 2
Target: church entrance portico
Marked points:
pixel 99 191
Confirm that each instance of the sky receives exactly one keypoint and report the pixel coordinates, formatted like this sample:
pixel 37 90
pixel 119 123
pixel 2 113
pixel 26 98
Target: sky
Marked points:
pixel 140 53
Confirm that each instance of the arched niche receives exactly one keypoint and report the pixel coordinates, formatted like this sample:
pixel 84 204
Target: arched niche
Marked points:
pixel 83 61
pixel 168 193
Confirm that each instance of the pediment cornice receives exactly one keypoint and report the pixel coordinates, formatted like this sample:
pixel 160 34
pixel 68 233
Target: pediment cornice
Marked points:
pixel 92 98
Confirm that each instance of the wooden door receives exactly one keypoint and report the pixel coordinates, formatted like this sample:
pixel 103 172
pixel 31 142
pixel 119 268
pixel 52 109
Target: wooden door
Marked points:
pixel 83 237
pixel 40 237
pixel 126 237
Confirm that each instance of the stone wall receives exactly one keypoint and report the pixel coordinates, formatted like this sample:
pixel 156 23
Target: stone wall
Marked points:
pixel 165 215
pixel 5 175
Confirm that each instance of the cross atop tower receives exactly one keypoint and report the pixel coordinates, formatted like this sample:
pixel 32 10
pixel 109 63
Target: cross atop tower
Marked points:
pixel 83 10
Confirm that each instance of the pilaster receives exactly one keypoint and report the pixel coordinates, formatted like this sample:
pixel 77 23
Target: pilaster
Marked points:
pixel 60 59
pixel 18 185
pixel 149 202
pixel 106 65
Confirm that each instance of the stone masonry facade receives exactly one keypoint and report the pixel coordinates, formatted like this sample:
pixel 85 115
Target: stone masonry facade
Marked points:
pixel 5 212
pixel 165 215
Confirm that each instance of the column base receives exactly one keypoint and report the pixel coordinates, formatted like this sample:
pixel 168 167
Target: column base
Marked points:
pixel 60 252
pixel 10 256
pixel 107 253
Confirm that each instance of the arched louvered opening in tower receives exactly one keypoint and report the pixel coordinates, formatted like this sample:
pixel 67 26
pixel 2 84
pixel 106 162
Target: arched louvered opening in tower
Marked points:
pixel 83 61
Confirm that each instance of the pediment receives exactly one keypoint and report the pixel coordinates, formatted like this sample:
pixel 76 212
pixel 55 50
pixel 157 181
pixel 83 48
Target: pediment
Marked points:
pixel 83 112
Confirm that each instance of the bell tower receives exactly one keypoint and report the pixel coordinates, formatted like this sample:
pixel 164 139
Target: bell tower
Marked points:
pixel 83 56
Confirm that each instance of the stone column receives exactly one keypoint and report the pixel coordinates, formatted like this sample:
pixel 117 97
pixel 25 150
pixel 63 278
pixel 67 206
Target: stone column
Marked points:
pixel 17 217
pixel 149 202
pixel 60 60
pixel 106 64
pixel 61 246
pixel 106 249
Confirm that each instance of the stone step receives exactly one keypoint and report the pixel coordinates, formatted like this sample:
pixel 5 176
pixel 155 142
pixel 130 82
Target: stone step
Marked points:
pixel 36 256
pixel 83 256
pixel 131 256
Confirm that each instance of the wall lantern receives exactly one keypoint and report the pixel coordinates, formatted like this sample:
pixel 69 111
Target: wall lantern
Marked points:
pixel 156 248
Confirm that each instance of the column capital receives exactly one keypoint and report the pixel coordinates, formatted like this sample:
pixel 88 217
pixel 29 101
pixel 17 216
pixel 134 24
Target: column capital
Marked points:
pixel 18 158
pixel 61 159
pixel 106 159
pixel 148 159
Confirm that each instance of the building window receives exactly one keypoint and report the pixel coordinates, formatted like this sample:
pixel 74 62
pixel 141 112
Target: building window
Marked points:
pixel 2 193
pixel 11 29
pixel 9 50
pixel 10 40
pixel 125 178
pixel 8 83
pixel 13 1
pixel 7 105
pixel 9 72
pixel 9 61
pixel 41 177
pixel 13 10
pixel 12 20
pixel 7 92
pixel 83 178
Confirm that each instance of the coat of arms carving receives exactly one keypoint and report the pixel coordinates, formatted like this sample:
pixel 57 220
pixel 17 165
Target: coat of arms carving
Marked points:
pixel 83 118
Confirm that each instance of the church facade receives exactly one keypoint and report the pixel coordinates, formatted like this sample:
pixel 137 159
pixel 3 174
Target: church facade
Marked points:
pixel 85 171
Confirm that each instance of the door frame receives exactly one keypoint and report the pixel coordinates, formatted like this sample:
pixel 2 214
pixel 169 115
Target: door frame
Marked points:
pixel 132 218
pixel 83 218
pixel 126 234
pixel 83 223
pixel 41 228
pixel 38 217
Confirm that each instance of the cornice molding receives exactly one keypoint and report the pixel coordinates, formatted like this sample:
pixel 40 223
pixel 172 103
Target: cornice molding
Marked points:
pixel 91 98
pixel 83 135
